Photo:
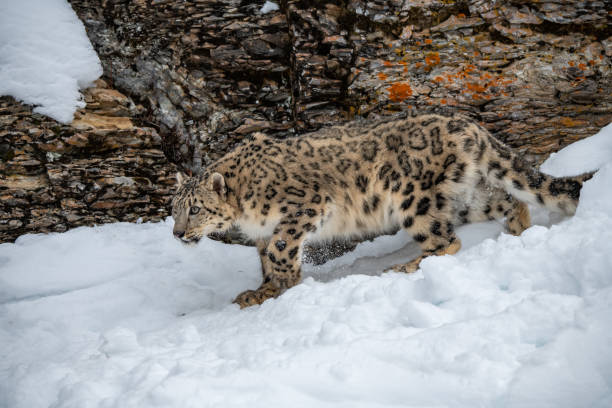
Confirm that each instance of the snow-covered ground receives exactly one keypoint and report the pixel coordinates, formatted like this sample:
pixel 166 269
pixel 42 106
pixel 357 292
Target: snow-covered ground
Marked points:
pixel 125 316
pixel 45 56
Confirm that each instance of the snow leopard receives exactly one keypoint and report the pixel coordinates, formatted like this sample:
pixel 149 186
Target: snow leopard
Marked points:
pixel 426 174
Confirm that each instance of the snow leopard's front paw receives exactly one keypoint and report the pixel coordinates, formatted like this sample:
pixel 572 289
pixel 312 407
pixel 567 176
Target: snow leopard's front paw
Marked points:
pixel 257 297
pixel 409 267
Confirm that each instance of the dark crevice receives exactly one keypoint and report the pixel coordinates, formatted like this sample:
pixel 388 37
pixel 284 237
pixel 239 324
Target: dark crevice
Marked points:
pixel 599 32
pixel 499 37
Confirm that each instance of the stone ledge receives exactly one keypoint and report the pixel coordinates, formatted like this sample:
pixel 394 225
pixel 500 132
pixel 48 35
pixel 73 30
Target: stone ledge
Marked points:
pixel 101 168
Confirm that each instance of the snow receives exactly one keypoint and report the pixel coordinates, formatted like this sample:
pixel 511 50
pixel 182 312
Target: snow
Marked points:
pixel 45 56
pixel 584 156
pixel 268 7
pixel 123 315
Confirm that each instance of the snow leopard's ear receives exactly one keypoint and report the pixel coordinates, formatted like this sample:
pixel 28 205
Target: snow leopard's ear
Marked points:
pixel 180 178
pixel 217 184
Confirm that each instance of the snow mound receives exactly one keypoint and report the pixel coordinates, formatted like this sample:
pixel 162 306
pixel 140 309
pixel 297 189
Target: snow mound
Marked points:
pixel 583 156
pixel 268 7
pixel 45 56
pixel 124 316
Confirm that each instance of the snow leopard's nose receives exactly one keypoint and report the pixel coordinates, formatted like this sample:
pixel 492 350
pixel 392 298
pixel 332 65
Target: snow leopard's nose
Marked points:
pixel 178 233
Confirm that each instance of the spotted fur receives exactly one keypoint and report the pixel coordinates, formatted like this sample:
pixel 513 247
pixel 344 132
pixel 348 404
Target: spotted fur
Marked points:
pixel 427 174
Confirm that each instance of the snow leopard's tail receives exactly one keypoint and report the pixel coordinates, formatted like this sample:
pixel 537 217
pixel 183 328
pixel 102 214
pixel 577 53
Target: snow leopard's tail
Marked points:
pixel 508 170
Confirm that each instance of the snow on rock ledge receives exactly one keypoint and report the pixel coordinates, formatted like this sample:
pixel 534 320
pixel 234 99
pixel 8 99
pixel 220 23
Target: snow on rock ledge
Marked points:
pixel 581 157
pixel 45 56
pixel 268 7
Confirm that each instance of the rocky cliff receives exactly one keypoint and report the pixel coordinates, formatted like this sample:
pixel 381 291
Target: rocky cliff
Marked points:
pixel 537 74
pixel 101 168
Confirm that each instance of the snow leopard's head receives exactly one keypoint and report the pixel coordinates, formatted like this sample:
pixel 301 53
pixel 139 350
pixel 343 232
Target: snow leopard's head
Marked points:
pixel 200 207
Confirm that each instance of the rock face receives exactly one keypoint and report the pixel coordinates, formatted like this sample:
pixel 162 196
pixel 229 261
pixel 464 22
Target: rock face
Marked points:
pixel 537 74
pixel 101 168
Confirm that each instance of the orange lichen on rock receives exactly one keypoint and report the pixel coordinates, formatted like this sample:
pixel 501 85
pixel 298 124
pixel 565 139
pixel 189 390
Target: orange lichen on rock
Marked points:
pixel 399 91
pixel 569 122
pixel 387 63
pixel 469 68
pixel 474 87
pixel 432 59
pixel 382 76
pixel 475 84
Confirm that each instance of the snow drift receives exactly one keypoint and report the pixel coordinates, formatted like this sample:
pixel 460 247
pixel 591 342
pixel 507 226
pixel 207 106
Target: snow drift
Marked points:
pixel 45 56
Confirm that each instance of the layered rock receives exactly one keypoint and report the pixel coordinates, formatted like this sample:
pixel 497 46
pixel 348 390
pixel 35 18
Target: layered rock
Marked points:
pixel 537 74
pixel 101 168
pixel 209 72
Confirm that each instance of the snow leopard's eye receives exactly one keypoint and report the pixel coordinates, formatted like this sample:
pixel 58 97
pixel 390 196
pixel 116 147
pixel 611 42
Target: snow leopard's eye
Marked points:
pixel 194 210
